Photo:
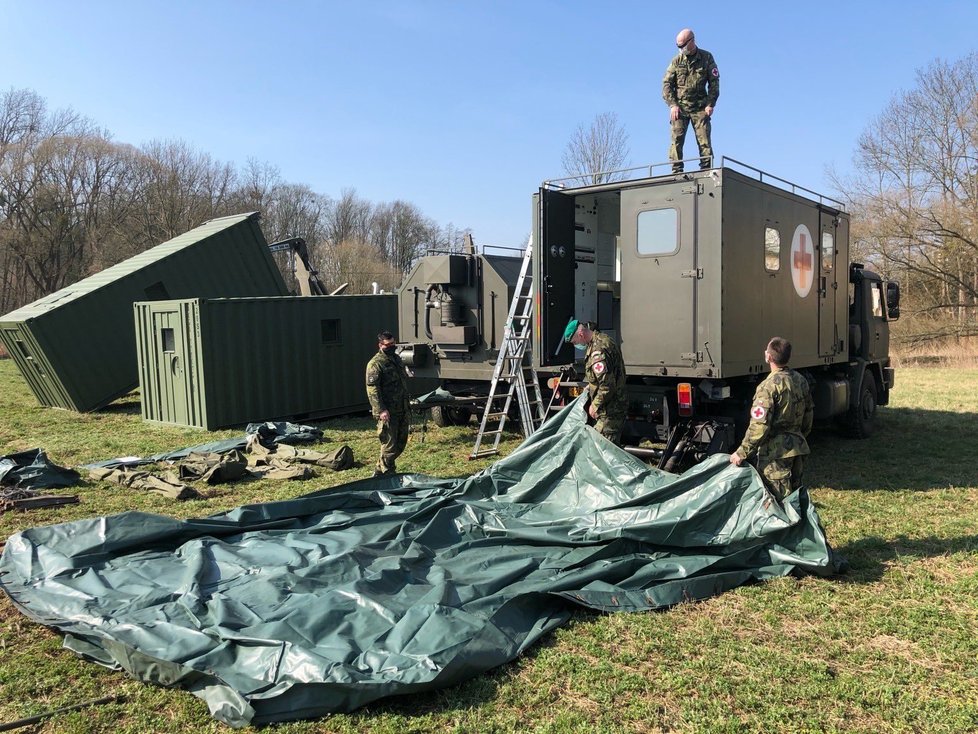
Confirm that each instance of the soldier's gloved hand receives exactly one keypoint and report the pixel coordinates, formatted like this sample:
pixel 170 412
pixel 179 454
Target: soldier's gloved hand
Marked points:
pixel 385 415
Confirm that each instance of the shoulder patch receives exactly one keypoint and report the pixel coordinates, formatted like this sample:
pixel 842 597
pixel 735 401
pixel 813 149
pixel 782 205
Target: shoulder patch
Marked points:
pixel 758 412
pixel 598 368
pixel 716 72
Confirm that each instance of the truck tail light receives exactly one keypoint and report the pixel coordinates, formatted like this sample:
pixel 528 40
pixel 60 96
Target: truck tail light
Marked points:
pixel 684 391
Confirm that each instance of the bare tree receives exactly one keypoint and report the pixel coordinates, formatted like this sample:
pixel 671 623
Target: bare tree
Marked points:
pixel 595 152
pixel 348 218
pixel 401 233
pixel 73 201
pixel 357 263
pixel 915 197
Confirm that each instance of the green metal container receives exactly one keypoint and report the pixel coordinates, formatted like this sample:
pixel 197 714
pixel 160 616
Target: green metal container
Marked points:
pixel 75 347
pixel 228 361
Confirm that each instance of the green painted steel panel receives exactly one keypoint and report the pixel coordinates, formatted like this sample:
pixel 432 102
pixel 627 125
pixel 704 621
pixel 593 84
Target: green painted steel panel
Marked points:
pixel 231 361
pixel 76 346
pixel 706 305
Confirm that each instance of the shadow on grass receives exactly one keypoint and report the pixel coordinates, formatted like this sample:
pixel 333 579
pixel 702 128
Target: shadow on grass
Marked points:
pixel 868 557
pixel 912 449
pixel 125 406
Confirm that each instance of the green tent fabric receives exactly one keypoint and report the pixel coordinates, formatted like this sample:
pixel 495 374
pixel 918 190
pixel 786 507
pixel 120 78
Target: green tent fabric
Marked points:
pixel 33 469
pixel 396 585
pixel 269 433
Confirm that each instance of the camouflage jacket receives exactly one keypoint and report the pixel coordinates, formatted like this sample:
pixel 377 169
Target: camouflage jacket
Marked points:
pixel 387 385
pixel 780 418
pixel 604 370
pixel 692 82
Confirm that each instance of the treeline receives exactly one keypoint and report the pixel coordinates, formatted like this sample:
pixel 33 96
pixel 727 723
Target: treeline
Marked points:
pixel 73 202
pixel 914 200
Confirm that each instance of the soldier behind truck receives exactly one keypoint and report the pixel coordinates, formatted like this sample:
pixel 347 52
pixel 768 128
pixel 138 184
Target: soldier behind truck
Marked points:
pixel 387 390
pixel 691 88
pixel 604 370
pixel 780 420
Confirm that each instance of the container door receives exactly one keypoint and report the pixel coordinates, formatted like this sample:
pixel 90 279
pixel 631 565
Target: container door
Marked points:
pixel 555 271
pixel 828 286
pixel 171 369
pixel 659 275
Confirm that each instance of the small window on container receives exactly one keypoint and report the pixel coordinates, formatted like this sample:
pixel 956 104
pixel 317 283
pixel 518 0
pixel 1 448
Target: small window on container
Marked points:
pixel 169 342
pixel 330 331
pixel 828 251
pixel 772 250
pixel 658 232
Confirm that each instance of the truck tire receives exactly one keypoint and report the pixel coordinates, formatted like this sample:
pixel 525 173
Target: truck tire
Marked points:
pixel 440 417
pixel 447 415
pixel 861 419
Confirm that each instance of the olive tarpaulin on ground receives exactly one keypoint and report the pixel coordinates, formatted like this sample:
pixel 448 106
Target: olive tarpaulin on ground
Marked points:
pixel 392 586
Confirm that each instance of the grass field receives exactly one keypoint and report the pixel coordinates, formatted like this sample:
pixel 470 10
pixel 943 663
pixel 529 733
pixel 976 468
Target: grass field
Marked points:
pixel 892 646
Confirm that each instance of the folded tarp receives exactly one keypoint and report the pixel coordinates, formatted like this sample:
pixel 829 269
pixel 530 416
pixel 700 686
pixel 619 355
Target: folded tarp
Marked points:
pixel 33 469
pixel 269 433
pixel 392 586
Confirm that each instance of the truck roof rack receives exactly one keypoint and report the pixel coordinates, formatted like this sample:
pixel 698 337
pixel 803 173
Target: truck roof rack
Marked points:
pixel 618 176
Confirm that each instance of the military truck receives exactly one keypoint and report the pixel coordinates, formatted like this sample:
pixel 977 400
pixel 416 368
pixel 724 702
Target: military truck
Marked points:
pixel 692 274
pixel 452 310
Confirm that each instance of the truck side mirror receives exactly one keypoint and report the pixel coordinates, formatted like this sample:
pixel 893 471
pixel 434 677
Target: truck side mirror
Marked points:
pixel 892 300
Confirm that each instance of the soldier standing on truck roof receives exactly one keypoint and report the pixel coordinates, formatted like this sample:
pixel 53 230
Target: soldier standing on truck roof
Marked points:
pixel 691 88
pixel 387 390
pixel 780 420
pixel 604 370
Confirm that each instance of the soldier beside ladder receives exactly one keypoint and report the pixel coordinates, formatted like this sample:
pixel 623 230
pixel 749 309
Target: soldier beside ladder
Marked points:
pixel 605 374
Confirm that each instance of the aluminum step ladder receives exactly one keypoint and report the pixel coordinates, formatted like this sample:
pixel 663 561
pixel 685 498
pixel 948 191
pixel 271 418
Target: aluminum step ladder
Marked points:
pixel 513 377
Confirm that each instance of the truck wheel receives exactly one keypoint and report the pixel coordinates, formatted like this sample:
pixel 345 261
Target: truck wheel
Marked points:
pixel 446 415
pixel 440 416
pixel 861 420
pixel 460 416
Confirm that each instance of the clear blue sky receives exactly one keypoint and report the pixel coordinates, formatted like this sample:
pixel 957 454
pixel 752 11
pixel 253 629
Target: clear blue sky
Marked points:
pixel 463 108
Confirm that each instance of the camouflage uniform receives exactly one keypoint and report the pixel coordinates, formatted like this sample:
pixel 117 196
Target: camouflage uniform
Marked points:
pixel 691 83
pixel 780 419
pixel 604 370
pixel 387 389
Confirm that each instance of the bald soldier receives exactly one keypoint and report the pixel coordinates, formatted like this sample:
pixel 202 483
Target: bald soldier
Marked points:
pixel 691 88
pixel 604 370
pixel 780 420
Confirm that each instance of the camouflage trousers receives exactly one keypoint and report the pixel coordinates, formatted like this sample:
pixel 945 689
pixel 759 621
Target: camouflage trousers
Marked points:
pixel 702 127
pixel 783 476
pixel 609 426
pixel 393 435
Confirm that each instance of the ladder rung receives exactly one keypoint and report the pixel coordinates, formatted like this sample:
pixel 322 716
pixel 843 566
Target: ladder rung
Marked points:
pixel 490 416
pixel 490 433
pixel 485 452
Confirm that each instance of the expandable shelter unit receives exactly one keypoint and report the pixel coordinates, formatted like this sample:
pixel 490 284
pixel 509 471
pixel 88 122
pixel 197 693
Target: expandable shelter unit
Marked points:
pixel 452 314
pixel 221 362
pixel 692 274
pixel 75 347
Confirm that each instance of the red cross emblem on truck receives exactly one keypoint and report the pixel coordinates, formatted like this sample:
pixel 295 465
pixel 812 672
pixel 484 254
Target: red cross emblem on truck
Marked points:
pixel 802 261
